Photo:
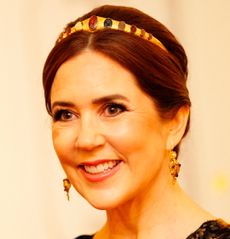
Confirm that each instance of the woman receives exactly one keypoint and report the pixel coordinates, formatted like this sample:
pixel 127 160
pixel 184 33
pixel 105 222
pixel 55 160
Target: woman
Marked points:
pixel 115 86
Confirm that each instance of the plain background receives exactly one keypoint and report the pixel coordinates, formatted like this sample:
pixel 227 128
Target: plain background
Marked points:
pixel 32 202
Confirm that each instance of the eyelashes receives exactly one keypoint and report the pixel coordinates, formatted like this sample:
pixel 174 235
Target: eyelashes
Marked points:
pixel 62 115
pixel 113 109
pixel 108 110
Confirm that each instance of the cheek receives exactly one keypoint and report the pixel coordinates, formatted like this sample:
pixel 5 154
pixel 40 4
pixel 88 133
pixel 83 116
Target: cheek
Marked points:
pixel 131 136
pixel 63 142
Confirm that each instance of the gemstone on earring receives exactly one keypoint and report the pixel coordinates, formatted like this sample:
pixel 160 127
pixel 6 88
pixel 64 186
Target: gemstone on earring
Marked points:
pixel 93 23
pixel 133 29
pixel 108 23
pixel 177 169
pixel 173 154
pixel 121 25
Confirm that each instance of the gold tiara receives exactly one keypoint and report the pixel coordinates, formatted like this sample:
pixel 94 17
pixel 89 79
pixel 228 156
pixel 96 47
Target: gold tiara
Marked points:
pixel 95 23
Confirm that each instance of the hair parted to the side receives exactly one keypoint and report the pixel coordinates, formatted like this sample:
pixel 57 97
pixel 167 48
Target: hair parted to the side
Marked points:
pixel 161 74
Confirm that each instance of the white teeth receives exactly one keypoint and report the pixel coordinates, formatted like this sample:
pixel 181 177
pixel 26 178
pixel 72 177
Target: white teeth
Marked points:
pixel 100 168
pixel 110 164
pixel 106 166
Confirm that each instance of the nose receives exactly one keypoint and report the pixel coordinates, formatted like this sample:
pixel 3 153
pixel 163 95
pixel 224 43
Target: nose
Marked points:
pixel 89 136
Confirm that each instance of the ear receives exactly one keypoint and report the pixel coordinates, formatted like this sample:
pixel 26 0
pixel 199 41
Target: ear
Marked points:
pixel 177 127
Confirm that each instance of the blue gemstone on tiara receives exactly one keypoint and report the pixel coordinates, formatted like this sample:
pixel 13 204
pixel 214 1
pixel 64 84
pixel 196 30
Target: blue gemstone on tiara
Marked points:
pixel 108 23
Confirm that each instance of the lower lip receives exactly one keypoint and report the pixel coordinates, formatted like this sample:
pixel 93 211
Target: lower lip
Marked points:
pixel 99 177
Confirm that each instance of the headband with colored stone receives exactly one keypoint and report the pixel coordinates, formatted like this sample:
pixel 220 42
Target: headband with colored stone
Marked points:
pixel 95 23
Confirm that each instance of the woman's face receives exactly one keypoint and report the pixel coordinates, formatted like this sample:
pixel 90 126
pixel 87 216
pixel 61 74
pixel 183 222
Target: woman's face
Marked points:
pixel 106 131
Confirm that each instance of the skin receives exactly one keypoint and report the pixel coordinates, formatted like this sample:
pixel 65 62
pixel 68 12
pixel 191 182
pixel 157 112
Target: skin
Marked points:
pixel 141 194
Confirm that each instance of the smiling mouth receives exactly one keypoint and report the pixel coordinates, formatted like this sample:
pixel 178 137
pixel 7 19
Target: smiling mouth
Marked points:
pixel 99 168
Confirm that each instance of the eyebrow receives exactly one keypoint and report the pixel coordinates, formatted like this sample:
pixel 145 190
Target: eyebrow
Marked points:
pixel 96 101
pixel 62 103
pixel 109 98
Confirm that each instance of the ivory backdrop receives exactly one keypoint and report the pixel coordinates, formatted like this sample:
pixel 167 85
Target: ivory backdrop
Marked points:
pixel 33 203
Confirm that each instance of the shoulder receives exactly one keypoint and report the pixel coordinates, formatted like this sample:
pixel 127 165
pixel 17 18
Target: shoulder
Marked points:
pixel 212 230
pixel 84 237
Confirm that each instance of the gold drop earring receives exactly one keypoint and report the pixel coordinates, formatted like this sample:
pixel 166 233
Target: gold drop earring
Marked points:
pixel 67 185
pixel 174 165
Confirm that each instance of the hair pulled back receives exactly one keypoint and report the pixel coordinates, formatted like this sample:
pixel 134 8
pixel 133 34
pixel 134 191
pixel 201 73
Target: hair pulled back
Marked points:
pixel 160 74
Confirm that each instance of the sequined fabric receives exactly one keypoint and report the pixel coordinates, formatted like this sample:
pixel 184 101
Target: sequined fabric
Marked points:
pixel 216 229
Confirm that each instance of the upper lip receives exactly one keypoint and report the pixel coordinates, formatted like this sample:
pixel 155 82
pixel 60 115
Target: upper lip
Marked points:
pixel 96 162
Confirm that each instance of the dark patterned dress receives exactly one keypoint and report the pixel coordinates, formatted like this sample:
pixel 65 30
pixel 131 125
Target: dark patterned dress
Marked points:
pixel 215 229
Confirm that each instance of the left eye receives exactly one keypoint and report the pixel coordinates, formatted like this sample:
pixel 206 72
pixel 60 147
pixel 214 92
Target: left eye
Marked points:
pixel 113 109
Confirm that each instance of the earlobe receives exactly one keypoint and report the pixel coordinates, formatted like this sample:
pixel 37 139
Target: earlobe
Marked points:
pixel 177 127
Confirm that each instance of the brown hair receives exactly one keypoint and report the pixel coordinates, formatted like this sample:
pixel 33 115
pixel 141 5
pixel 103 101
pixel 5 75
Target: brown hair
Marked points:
pixel 161 74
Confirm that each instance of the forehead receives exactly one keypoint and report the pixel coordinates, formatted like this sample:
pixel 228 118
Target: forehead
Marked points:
pixel 92 73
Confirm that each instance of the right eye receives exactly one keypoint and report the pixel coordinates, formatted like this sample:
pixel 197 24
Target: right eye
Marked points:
pixel 63 115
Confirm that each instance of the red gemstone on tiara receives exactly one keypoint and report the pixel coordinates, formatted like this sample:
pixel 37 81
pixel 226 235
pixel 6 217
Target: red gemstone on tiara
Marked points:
pixel 93 23
pixel 133 29
pixel 121 25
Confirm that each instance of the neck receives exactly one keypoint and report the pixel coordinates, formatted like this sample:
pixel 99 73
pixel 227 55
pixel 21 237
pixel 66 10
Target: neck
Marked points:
pixel 151 213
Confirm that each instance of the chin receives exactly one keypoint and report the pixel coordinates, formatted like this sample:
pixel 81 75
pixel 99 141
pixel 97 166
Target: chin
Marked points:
pixel 104 201
pixel 103 205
